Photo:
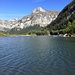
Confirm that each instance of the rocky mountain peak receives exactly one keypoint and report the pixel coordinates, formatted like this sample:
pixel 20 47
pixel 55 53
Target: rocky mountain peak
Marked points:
pixel 14 19
pixel 38 9
pixel 39 16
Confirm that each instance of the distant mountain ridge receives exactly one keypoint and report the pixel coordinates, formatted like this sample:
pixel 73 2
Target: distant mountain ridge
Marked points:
pixel 39 16
pixel 8 24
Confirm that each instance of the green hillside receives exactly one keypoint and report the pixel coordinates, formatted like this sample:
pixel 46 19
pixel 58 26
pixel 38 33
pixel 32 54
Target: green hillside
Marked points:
pixel 66 20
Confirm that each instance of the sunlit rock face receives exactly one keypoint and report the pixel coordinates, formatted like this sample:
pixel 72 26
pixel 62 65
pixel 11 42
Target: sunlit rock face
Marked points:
pixel 8 24
pixel 39 16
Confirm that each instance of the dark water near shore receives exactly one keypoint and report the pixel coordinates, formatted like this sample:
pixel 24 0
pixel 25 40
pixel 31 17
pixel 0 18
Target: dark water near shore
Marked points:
pixel 39 55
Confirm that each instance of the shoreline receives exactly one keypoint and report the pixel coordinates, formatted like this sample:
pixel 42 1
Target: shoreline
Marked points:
pixel 37 35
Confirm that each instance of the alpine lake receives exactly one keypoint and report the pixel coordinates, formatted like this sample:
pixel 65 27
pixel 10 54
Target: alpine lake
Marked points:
pixel 37 55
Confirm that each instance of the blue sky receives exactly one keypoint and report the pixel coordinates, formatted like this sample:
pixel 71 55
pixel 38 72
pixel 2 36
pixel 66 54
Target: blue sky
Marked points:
pixel 18 8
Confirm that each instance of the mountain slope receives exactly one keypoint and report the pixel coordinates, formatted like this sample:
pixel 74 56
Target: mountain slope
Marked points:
pixel 8 24
pixel 39 16
pixel 65 16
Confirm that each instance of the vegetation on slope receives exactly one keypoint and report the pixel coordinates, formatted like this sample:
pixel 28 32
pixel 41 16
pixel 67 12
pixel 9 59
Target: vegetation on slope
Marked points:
pixel 2 33
pixel 31 30
pixel 65 17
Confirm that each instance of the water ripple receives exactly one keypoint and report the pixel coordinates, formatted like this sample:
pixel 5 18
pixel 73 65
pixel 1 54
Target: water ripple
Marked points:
pixel 40 55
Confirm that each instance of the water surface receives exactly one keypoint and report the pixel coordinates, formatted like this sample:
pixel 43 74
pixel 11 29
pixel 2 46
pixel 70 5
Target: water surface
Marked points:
pixel 37 55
